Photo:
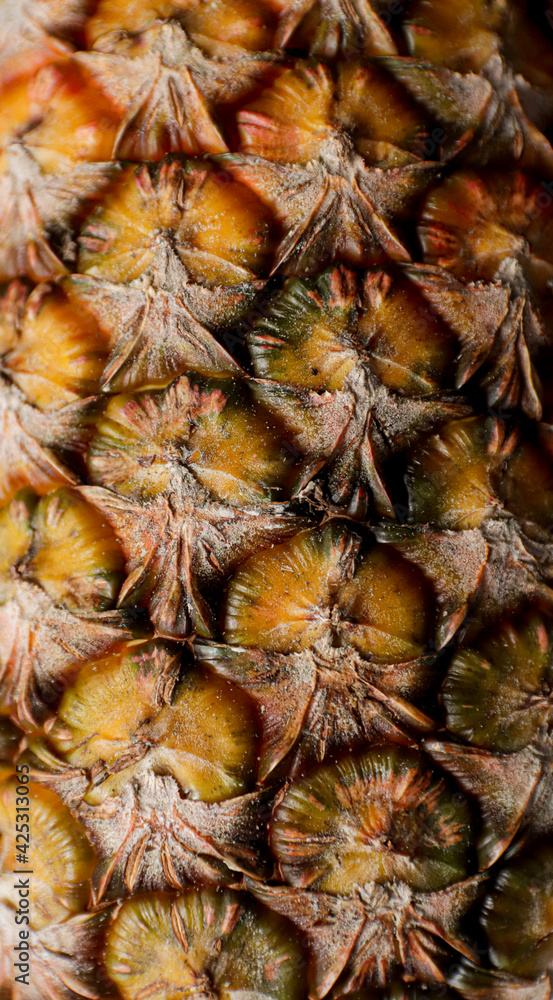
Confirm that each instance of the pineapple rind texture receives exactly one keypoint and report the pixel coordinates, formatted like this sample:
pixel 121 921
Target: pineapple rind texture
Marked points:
pixel 214 945
pixel 276 499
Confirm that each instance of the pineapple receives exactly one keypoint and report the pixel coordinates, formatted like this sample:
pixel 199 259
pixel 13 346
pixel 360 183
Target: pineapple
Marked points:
pixel 276 496
pixel 62 935
pixel 527 880
pixel 202 944
pixel 364 836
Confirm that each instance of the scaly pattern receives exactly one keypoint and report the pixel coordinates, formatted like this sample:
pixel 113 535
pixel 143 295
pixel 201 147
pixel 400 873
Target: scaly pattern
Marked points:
pixel 276 498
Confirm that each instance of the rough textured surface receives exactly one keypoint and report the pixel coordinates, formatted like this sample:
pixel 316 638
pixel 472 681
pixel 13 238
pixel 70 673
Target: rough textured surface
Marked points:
pixel 276 498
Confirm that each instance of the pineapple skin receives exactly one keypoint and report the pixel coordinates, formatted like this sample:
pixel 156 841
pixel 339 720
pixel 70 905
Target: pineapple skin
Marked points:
pixel 276 499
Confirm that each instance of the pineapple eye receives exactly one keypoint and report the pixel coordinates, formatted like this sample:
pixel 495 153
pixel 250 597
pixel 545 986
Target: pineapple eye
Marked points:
pixel 408 346
pixel 120 240
pixel 137 443
pixel 526 486
pixel 237 452
pixel 144 218
pixel 331 203
pixel 308 592
pixel 115 724
pixel 201 942
pixel 280 598
pixel 226 442
pixel 450 476
pixel 304 114
pixel 62 857
pixel 498 695
pixel 76 557
pixel 467 35
pixel 60 352
pixel 306 337
pixel 376 817
pixel 246 23
pixel 78 119
pixel 313 334
pixel 388 606
pixel 291 120
pixel 71 552
pixel 129 15
pixel 471 224
pixel 518 914
pixel 226 233
pixel 476 237
pixel 384 120
pixel 464 36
